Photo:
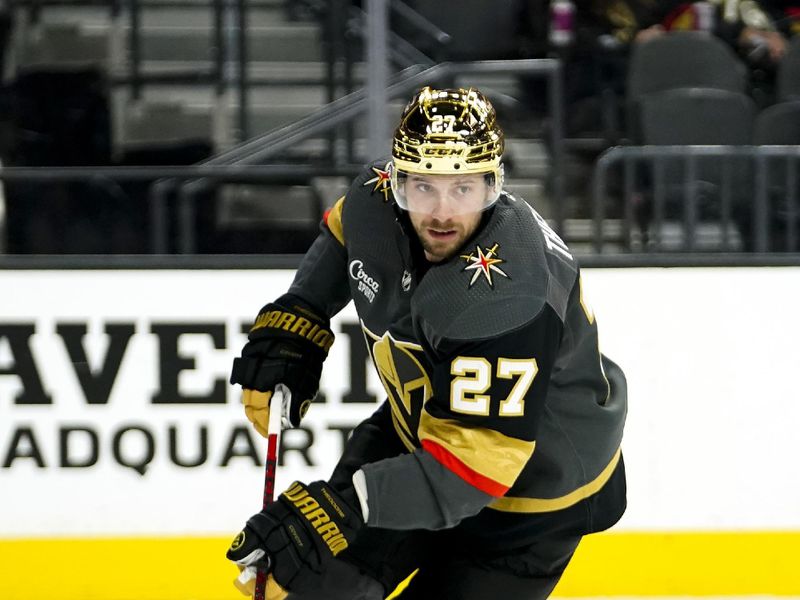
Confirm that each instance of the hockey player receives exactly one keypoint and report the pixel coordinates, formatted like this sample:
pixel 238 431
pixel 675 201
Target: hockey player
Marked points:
pixel 498 447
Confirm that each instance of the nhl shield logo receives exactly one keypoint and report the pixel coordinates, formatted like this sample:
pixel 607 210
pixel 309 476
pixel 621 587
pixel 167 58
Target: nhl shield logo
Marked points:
pixel 405 281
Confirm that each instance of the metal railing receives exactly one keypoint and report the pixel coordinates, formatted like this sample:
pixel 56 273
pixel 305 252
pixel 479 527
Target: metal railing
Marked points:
pixel 695 198
pixel 164 182
pixel 261 148
pixel 339 112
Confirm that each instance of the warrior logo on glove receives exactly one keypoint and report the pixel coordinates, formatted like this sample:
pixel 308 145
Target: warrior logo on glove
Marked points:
pixel 317 517
pixel 297 535
pixel 287 344
pixel 287 321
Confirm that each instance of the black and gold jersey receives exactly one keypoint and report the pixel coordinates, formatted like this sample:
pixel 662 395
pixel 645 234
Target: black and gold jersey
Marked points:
pixel 496 386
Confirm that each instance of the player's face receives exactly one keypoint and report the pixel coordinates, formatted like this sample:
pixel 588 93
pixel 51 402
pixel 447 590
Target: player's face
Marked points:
pixel 445 210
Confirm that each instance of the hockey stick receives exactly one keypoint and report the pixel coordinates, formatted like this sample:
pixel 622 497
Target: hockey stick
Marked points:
pixel 281 398
pixel 278 418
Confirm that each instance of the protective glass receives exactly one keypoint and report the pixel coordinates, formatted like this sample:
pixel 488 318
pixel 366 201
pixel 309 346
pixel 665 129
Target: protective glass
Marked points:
pixel 452 195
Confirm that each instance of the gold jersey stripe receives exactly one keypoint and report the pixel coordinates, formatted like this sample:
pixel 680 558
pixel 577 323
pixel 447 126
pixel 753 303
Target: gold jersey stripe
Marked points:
pixel 488 452
pixel 334 220
pixel 538 505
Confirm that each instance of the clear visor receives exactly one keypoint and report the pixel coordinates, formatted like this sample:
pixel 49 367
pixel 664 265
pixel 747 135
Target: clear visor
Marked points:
pixel 446 194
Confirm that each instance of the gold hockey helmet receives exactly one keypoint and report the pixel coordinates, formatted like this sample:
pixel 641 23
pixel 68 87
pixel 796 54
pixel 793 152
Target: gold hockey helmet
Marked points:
pixel 448 132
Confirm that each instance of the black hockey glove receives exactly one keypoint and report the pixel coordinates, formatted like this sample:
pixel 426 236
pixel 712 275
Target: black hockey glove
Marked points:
pixel 299 534
pixel 287 344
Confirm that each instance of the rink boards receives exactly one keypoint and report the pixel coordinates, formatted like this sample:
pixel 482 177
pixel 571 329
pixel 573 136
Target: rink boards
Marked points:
pixel 123 451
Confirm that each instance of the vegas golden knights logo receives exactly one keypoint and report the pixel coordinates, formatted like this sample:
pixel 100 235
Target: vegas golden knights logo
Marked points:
pixel 401 369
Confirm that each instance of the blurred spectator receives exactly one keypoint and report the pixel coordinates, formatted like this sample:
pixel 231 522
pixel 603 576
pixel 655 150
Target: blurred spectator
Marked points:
pixel 595 64
pixel 605 30
pixel 785 14
pixel 618 23
pixel 746 25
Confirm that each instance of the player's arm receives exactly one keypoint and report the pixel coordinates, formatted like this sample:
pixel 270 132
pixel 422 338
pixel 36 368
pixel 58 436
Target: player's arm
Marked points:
pixel 478 430
pixel 291 336
pixel 321 278
pixel 472 452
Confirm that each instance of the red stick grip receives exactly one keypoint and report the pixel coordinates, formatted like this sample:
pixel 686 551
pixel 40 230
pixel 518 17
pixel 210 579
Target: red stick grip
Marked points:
pixel 269 478
pixel 269 498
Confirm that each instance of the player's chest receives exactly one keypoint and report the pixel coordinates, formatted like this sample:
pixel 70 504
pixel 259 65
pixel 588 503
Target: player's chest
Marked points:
pixel 382 288
pixel 403 369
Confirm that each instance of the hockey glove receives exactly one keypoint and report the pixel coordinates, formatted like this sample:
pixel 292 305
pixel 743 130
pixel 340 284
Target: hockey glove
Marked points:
pixel 287 344
pixel 299 534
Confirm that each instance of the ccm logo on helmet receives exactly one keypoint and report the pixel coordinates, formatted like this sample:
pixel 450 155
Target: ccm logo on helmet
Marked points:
pixel 366 284
pixel 442 151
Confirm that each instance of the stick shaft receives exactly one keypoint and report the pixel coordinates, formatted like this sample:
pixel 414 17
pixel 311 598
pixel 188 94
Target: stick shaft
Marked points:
pixel 273 437
pixel 271 468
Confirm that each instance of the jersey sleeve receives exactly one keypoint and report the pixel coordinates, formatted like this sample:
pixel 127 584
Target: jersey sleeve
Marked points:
pixel 321 278
pixel 477 431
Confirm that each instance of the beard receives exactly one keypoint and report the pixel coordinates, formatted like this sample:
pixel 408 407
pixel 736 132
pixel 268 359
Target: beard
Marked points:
pixel 444 246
